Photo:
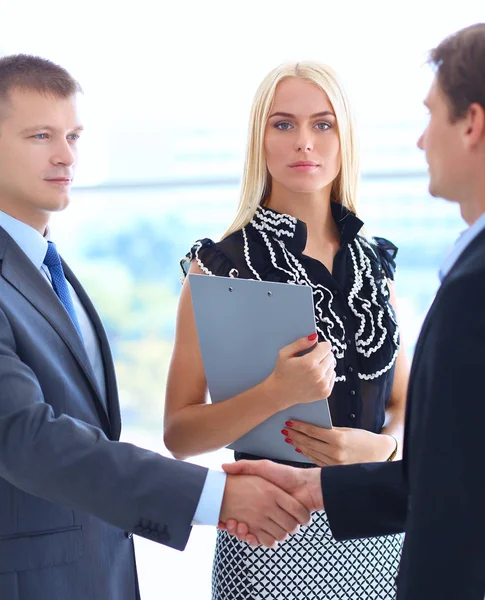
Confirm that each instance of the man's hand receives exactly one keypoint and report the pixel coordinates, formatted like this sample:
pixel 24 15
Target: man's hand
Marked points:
pixel 268 512
pixel 302 484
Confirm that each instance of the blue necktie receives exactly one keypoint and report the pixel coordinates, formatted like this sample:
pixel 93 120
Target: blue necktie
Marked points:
pixel 53 262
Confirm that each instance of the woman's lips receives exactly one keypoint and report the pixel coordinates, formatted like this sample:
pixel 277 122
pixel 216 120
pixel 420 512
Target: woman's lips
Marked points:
pixel 304 166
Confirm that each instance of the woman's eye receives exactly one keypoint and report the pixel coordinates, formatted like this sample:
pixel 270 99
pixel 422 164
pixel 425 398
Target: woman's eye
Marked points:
pixel 74 137
pixel 323 126
pixel 40 136
pixel 283 126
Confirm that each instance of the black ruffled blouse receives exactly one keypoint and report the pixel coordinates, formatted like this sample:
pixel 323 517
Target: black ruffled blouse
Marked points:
pixel 352 308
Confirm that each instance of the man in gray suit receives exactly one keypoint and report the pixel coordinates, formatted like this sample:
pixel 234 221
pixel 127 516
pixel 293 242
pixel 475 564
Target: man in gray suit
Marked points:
pixel 71 494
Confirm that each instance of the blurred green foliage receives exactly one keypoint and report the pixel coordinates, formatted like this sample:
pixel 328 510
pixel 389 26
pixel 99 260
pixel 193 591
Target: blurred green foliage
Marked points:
pixel 133 279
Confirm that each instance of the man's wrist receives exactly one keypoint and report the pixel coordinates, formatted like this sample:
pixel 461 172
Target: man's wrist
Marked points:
pixel 210 501
pixel 314 486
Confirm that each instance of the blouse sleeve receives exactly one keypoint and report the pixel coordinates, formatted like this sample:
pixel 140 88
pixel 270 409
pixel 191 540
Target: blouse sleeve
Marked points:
pixel 210 258
pixel 386 252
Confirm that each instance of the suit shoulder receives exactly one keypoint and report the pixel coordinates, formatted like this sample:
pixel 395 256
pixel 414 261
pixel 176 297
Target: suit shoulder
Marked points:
pixel 470 266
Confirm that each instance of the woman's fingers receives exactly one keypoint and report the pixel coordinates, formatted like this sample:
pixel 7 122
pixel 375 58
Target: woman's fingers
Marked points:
pixel 318 459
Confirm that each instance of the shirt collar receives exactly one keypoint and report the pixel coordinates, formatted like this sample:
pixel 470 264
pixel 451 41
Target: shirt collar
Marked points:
pixel 347 222
pixel 294 232
pixel 30 241
pixel 465 239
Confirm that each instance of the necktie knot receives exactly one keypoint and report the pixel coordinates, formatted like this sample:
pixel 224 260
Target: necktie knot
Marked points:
pixel 52 258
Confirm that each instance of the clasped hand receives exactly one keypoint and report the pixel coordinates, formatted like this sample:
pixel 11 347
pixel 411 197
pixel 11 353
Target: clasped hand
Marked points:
pixel 264 502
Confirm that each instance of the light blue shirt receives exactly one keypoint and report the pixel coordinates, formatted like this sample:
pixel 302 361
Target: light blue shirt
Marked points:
pixel 210 501
pixel 461 244
pixel 34 246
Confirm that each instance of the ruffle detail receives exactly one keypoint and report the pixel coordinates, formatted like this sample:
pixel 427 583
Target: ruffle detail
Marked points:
pixel 372 262
pixel 210 258
pixel 387 252
pixel 377 338
pixel 271 256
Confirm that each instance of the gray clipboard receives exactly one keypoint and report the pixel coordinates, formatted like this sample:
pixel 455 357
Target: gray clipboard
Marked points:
pixel 241 325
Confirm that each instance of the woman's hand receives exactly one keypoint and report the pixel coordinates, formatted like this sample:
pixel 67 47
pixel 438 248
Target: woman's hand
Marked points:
pixel 304 372
pixel 339 445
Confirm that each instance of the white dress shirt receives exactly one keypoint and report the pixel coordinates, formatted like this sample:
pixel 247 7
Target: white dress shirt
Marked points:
pixel 34 246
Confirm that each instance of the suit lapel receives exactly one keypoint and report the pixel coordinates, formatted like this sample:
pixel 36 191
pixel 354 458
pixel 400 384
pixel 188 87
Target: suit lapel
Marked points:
pixel 19 271
pixel 109 370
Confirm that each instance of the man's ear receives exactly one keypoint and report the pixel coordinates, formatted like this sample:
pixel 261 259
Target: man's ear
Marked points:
pixel 474 130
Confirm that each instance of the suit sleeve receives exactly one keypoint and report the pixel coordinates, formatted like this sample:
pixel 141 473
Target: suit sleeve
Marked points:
pixel 69 462
pixel 444 554
pixel 365 500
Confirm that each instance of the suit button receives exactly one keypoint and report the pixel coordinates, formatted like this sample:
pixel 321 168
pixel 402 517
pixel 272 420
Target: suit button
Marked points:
pixel 349 341
pixel 352 392
pixel 350 369
pixel 352 415
pixel 128 535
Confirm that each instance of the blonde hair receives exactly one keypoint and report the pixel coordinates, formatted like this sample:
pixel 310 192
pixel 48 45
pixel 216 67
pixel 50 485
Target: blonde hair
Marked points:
pixel 256 181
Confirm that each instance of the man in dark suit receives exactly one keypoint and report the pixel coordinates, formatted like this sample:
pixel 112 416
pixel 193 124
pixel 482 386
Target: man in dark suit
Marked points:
pixel 71 494
pixel 436 494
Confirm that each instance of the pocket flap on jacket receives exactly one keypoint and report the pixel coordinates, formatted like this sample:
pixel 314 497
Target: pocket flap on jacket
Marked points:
pixel 40 549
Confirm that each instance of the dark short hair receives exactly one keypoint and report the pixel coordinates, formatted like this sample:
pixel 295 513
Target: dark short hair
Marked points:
pixel 25 72
pixel 459 62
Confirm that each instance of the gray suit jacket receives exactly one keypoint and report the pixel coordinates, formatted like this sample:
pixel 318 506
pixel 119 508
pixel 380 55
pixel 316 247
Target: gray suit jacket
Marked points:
pixel 70 492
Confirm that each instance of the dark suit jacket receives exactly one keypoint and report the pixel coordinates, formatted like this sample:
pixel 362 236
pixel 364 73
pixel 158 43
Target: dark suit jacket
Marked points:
pixel 70 492
pixel 436 494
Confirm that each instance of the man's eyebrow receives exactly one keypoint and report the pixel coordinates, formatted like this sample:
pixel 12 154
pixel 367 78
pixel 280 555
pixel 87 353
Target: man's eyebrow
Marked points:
pixel 46 128
pixel 324 113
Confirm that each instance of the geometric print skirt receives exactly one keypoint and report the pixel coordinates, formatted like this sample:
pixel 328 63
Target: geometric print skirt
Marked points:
pixel 310 565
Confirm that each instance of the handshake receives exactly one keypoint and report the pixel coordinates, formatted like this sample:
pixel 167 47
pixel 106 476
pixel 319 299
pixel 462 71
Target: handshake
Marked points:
pixel 264 502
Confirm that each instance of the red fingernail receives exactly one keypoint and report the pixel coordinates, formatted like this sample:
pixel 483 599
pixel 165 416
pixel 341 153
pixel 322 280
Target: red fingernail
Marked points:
pixel 284 431
pixel 287 440
pixel 312 337
pixel 298 450
pixel 289 423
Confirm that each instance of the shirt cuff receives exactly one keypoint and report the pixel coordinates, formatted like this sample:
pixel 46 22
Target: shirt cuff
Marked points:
pixel 210 501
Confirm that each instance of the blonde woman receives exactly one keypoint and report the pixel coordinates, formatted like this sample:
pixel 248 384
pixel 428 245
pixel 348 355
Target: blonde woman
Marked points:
pixel 297 222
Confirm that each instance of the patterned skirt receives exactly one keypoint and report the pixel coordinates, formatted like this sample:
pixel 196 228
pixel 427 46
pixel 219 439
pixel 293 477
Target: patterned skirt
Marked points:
pixel 310 565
